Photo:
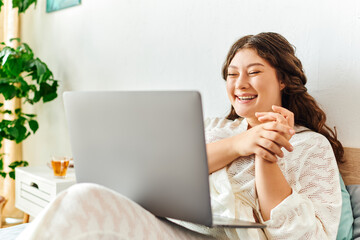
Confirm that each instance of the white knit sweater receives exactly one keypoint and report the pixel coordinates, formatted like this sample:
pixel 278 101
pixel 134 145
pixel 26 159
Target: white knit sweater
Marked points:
pixel 313 209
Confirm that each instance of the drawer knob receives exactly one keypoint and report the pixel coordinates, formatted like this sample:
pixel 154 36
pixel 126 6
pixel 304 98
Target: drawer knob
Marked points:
pixel 34 185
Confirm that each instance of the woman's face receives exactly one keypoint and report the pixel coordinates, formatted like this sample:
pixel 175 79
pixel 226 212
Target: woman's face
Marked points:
pixel 252 85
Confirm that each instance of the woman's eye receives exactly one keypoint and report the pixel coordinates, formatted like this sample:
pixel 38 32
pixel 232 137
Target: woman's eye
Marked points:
pixel 232 74
pixel 254 72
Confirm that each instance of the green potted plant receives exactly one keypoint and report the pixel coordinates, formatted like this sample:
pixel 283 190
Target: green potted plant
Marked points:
pixel 25 77
pixel 28 78
pixel 22 5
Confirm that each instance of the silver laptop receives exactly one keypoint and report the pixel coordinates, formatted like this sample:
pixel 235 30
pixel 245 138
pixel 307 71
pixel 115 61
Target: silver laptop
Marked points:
pixel 149 146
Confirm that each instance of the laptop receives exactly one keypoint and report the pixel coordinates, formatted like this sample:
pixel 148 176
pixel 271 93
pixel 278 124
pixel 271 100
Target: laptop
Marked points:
pixel 148 146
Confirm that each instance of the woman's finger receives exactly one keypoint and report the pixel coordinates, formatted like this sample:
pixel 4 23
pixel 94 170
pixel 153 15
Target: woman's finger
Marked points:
pixel 288 115
pixel 279 139
pixel 266 119
pixel 270 146
pixel 271 116
pixel 278 127
pixel 264 154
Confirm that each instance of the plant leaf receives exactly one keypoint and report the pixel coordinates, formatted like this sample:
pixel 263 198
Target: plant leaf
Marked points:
pixel 41 69
pixel 24 87
pixel 50 97
pixel 29 115
pixel 16 164
pixel 34 126
pixel 37 96
pixel 3 174
pixel 12 174
pixel 6 112
pixel 20 121
pixel 1 164
pixel 5 53
pixel 13 132
pixel 15 39
pixel 9 91
pixel 8 80
pixel 22 135
pixel 23 5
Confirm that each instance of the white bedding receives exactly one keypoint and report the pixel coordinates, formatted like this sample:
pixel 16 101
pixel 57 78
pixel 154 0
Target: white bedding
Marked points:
pixel 10 233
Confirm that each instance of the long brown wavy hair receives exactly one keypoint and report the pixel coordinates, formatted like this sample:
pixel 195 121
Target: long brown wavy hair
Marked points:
pixel 280 54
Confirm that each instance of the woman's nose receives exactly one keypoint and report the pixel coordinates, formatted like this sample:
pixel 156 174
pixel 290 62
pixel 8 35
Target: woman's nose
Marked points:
pixel 242 81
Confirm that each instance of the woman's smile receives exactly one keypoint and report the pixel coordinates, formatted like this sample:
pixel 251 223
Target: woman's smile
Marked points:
pixel 245 98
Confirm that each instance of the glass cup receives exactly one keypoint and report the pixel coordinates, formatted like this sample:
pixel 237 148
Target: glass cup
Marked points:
pixel 59 166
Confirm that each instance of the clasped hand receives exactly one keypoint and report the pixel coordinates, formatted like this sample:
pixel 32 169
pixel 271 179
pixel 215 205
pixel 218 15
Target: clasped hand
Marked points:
pixel 268 138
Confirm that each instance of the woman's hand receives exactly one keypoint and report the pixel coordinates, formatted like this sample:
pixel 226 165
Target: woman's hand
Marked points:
pixel 267 139
pixel 264 140
pixel 280 115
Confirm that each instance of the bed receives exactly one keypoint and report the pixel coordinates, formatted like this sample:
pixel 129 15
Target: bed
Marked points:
pixel 349 170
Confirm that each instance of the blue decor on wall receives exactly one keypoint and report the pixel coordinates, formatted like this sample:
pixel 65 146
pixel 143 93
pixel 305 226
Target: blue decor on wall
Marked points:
pixel 55 5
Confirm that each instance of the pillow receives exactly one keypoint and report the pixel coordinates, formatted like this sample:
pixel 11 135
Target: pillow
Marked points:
pixel 345 230
pixel 354 191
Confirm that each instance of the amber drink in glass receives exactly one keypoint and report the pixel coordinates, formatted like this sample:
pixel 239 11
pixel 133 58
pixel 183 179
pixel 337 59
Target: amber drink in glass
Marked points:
pixel 59 166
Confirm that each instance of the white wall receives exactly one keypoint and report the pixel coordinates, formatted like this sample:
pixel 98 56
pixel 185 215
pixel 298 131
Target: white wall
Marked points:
pixel 162 44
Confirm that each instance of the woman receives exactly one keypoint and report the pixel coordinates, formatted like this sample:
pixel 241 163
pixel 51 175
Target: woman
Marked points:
pixel 296 193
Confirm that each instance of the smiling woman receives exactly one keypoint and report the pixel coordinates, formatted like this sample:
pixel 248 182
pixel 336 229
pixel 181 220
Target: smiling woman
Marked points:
pixel 296 193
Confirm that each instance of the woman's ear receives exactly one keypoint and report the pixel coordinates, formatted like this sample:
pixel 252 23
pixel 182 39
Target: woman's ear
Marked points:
pixel 282 85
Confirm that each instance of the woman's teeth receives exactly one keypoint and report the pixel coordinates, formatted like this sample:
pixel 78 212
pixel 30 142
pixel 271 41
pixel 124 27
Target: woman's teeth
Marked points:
pixel 247 97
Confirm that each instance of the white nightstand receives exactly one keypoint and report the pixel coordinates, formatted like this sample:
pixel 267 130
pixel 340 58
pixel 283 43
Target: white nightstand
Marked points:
pixel 36 186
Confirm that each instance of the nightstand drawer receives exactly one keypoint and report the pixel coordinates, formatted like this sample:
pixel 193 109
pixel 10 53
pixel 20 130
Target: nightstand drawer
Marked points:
pixel 33 192
pixel 36 187
pixel 24 195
